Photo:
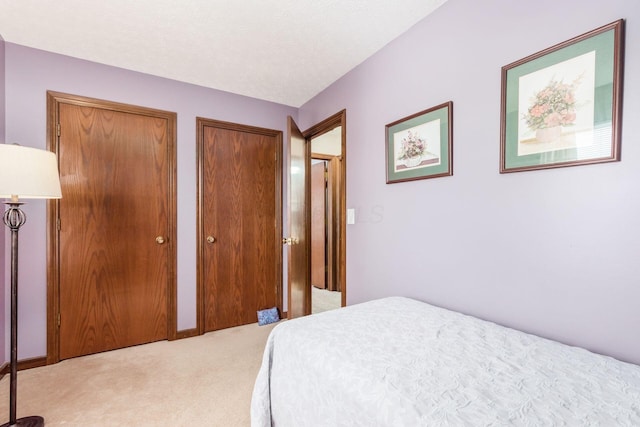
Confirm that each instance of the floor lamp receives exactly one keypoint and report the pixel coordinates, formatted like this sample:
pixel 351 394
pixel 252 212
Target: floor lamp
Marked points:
pixel 25 173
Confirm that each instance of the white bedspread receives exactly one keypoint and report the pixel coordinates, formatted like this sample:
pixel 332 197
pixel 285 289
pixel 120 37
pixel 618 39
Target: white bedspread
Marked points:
pixel 401 362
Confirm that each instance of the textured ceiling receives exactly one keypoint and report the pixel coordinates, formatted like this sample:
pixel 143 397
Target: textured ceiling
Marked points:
pixel 284 51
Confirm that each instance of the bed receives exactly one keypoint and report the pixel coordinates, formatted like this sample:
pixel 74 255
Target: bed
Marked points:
pixel 401 362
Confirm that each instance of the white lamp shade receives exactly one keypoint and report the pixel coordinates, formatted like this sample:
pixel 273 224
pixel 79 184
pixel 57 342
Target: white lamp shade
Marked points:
pixel 28 173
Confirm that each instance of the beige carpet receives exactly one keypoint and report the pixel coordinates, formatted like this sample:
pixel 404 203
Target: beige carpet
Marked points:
pixel 324 300
pixel 200 381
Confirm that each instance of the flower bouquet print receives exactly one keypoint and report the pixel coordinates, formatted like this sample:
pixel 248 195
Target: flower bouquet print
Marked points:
pixel 551 109
pixel 561 106
pixel 412 149
pixel 557 111
pixel 419 146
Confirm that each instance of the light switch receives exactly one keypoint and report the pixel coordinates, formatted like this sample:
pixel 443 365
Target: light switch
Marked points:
pixel 351 216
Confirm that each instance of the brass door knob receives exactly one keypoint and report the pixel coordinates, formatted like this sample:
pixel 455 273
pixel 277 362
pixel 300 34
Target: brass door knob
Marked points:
pixel 211 239
pixel 159 240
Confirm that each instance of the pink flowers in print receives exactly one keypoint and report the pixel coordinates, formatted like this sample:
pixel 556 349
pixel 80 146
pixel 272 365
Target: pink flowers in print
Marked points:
pixel 554 105
pixel 412 146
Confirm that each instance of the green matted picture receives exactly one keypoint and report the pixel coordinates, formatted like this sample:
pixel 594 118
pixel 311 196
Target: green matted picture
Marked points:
pixel 562 106
pixel 420 146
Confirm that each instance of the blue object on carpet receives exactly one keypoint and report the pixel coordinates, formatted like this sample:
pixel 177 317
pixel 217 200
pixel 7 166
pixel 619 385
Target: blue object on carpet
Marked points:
pixel 270 315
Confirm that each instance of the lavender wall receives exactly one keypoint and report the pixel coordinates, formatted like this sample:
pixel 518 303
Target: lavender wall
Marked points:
pixel 29 74
pixel 551 252
pixel 4 355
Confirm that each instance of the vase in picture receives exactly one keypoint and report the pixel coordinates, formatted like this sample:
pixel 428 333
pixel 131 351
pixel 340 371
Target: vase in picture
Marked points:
pixel 550 134
pixel 412 162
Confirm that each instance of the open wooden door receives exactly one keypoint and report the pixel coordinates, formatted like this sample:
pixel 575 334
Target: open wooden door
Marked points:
pixel 299 240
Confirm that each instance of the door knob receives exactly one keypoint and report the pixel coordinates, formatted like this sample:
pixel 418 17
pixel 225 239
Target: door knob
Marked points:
pixel 211 239
pixel 159 240
pixel 289 241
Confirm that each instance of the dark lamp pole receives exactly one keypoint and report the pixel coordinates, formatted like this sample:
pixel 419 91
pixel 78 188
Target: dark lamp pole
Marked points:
pixel 25 173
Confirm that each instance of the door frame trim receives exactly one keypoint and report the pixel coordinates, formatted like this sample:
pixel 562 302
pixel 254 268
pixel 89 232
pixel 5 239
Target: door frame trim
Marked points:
pixel 326 125
pixel 54 99
pixel 201 122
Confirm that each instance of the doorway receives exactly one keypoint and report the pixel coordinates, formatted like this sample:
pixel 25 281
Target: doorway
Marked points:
pixel 301 146
pixel 112 237
pixel 326 159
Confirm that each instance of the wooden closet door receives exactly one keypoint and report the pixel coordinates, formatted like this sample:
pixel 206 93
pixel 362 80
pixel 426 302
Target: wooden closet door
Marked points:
pixel 114 231
pixel 240 223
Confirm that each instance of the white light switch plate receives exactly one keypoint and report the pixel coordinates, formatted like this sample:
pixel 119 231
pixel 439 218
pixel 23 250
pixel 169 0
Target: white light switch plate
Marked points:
pixel 351 216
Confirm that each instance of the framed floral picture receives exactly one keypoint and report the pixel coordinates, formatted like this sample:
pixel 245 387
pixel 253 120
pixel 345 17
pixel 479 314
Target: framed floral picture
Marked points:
pixel 420 146
pixel 562 106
